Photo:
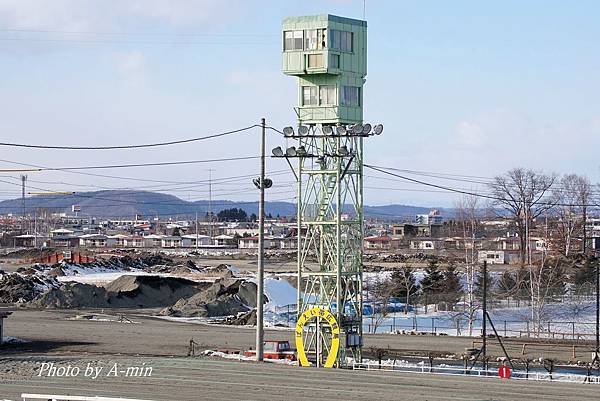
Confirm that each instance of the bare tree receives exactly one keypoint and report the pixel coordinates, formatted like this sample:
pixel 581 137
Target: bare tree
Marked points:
pixel 380 289
pixel 466 209
pixel 545 281
pixel 571 197
pixel 405 285
pixel 521 193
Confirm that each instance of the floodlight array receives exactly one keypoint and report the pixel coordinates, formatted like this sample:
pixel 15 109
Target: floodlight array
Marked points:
pixel 357 129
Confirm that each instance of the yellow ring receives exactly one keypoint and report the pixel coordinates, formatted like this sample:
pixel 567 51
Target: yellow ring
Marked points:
pixel 335 335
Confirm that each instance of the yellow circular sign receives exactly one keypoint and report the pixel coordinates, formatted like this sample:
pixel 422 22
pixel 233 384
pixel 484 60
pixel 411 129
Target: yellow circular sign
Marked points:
pixel 335 335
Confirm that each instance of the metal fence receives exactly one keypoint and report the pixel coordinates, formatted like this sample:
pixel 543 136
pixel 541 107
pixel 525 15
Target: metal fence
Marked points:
pixel 478 372
pixel 563 330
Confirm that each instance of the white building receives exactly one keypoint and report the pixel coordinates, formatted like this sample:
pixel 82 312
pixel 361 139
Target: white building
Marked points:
pixel 492 257
pixel 190 240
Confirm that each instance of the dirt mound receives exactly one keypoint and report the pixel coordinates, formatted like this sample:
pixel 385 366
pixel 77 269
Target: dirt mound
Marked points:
pixel 125 292
pixel 17 288
pixel 73 295
pixel 222 271
pixel 30 253
pixel 244 319
pixel 225 297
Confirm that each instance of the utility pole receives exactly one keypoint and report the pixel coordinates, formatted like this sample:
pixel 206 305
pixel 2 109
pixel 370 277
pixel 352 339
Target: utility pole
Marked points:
pixel 210 230
pixel 23 179
pixel 484 321
pixel 597 357
pixel 261 249
pixel 196 232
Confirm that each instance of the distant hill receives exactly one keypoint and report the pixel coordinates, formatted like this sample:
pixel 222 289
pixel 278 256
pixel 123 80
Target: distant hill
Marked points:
pixel 123 203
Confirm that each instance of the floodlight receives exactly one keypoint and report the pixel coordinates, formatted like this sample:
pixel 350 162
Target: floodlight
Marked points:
pixel 340 130
pixel 288 131
pixel 267 183
pixel 291 151
pixel 378 129
pixel 366 129
pixel 357 128
pixel 327 130
pixel 301 151
pixel 277 152
pixel 303 130
pixel 343 150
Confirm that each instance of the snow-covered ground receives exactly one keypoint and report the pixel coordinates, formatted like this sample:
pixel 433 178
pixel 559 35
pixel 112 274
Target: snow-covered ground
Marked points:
pixel 12 340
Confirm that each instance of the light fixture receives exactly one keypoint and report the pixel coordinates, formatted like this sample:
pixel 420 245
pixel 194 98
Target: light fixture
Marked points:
pixel 327 130
pixel 288 131
pixel 303 130
pixel 277 152
pixel 291 151
pixel 343 150
pixel 366 129
pixel 340 130
pixel 267 183
pixel 301 151
pixel 378 129
pixel 357 128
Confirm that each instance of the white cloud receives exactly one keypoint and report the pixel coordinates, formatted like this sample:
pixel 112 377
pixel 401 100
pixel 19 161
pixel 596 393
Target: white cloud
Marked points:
pixel 132 66
pixel 470 133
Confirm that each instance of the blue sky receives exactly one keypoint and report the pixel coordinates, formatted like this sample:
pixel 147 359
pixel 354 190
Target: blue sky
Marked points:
pixel 462 87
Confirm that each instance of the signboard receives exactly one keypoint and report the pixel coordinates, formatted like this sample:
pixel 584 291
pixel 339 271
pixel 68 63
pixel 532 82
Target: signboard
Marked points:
pixel 326 317
pixel 504 372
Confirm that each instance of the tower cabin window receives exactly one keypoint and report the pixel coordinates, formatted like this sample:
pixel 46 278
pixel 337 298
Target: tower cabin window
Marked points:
pixel 350 96
pixel 315 39
pixel 327 95
pixel 310 96
pixel 315 60
pixel 341 40
pixel 292 40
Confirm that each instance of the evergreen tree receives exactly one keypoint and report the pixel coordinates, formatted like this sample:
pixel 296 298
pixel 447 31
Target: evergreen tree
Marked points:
pixel 523 283
pixel 233 214
pixel 452 288
pixel 586 274
pixel 478 284
pixel 507 284
pixel 432 284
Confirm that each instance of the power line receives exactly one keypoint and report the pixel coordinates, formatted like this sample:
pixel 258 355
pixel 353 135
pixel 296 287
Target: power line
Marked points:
pixel 449 189
pixel 147 145
pixel 119 177
pixel 135 42
pixel 111 166
pixel 192 34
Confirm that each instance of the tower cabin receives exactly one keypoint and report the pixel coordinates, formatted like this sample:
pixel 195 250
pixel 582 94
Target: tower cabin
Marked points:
pixel 328 54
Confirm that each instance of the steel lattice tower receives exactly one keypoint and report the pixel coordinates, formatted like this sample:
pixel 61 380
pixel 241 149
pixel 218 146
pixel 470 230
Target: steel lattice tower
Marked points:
pixel 330 216
pixel 328 55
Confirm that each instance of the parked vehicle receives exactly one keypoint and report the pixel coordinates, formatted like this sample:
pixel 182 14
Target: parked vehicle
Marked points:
pixel 275 350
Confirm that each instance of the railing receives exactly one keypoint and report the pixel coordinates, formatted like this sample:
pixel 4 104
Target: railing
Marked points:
pixel 560 330
pixel 477 372
pixel 29 397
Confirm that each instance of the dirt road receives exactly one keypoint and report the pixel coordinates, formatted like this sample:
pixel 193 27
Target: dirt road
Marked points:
pixel 204 379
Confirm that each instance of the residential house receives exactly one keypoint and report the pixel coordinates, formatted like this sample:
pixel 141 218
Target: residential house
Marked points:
pixel 193 240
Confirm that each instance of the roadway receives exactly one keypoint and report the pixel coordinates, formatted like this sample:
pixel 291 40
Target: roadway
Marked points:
pixel 187 379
